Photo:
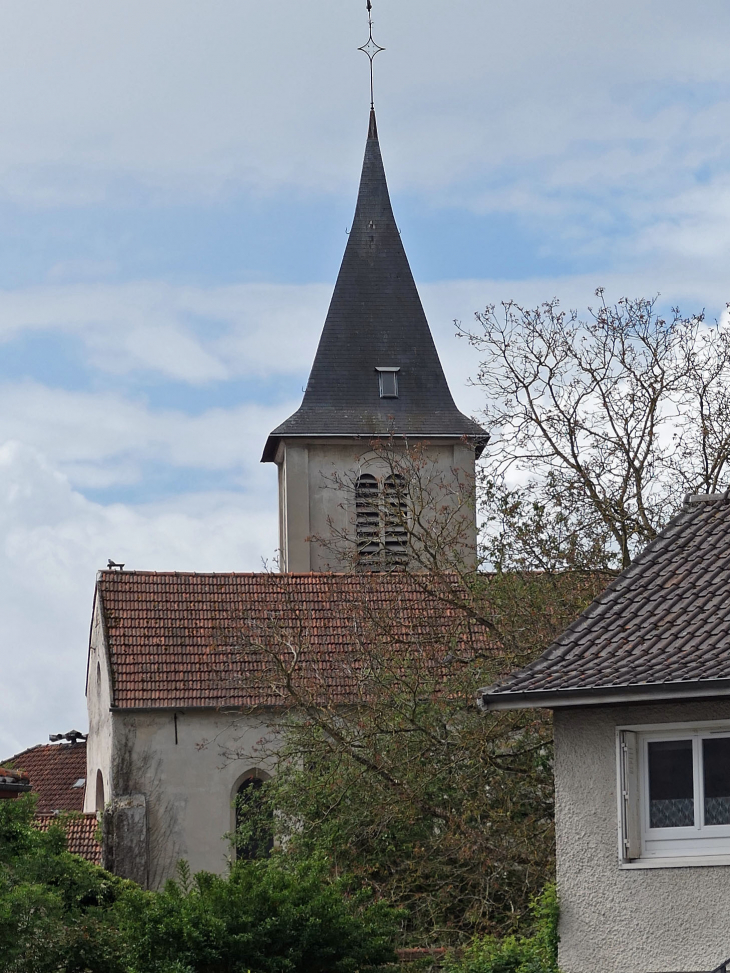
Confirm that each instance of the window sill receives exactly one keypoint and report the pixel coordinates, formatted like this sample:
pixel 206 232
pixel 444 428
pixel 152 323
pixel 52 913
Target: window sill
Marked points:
pixel 688 861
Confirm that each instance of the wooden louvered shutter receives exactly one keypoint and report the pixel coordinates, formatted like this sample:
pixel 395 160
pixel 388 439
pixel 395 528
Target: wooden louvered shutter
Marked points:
pixel 630 816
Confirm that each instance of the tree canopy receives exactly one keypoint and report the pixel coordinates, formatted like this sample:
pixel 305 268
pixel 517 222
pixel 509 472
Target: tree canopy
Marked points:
pixel 61 914
pixel 600 424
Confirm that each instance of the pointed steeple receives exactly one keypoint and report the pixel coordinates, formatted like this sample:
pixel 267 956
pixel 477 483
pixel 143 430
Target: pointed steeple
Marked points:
pixel 375 322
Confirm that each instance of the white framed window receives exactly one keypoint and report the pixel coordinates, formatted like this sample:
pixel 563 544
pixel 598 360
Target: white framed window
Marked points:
pixel 388 381
pixel 674 793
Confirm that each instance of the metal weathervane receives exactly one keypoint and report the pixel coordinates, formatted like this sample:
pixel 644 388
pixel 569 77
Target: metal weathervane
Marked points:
pixel 371 49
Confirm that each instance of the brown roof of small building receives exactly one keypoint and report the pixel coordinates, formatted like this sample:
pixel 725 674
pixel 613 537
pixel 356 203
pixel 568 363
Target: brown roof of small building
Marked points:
pixel 81 831
pixel 194 640
pixel 661 627
pixel 55 770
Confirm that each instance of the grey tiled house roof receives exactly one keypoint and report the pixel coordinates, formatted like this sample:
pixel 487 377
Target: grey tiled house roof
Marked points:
pixel 662 628
pixel 375 319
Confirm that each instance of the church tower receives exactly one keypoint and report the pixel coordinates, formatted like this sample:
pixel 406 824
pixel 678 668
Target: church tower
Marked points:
pixel 376 377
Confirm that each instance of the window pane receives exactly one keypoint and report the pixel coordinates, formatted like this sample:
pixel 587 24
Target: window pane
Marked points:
pixel 671 786
pixel 716 769
pixel 388 385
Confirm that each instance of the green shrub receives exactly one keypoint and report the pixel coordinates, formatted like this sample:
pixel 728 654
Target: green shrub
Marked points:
pixel 261 917
pixel 536 952
pixel 61 914
pixel 54 906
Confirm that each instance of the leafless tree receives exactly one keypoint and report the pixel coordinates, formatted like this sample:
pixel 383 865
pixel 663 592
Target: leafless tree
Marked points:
pixel 604 421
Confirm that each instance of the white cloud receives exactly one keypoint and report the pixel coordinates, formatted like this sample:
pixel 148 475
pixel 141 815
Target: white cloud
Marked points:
pixel 102 439
pixel 52 541
pixel 693 228
pixel 197 98
pixel 188 334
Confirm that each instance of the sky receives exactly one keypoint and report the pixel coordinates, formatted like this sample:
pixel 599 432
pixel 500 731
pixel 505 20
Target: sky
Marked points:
pixel 176 184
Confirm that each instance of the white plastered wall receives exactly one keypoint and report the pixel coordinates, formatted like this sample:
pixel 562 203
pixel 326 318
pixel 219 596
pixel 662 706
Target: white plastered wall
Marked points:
pixel 98 703
pixel 627 920
pixel 188 764
pixel 316 501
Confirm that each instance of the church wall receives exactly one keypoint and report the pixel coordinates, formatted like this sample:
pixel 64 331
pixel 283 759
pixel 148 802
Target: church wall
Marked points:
pixel 188 765
pixel 294 509
pixel 317 497
pixel 98 702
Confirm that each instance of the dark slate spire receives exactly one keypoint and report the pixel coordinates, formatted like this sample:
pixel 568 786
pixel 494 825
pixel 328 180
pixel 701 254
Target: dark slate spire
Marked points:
pixel 375 319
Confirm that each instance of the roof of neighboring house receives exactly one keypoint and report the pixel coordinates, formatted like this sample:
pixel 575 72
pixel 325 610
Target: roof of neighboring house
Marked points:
pixel 192 640
pixel 13 781
pixel 57 773
pixel 81 830
pixel 660 629
pixel 375 319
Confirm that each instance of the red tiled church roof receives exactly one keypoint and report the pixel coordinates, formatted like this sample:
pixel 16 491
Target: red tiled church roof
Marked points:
pixel 185 640
pixel 81 830
pixel 54 769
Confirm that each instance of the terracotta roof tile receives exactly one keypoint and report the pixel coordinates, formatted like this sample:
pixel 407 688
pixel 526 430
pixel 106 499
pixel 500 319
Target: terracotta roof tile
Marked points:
pixel 54 769
pixel 665 619
pixel 13 782
pixel 186 640
pixel 81 830
pixel 8 775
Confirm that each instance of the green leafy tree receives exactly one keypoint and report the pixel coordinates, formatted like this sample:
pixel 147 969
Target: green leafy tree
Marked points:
pixel 54 906
pixel 533 951
pixel 61 914
pixel 261 917
pixel 598 426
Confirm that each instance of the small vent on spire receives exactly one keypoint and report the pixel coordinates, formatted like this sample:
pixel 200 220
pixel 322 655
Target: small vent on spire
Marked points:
pixel 388 378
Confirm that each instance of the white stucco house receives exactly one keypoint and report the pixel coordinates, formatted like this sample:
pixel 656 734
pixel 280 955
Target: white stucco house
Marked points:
pixel 178 722
pixel 640 690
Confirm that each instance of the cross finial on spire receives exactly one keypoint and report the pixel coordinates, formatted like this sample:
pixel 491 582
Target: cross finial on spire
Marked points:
pixel 371 49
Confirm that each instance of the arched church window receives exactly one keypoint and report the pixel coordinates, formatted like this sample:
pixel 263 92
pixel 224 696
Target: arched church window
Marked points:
pixel 254 821
pixel 395 519
pixel 367 518
pixel 99 797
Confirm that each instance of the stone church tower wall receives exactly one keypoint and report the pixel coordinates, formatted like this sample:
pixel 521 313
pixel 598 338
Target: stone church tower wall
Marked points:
pixel 317 506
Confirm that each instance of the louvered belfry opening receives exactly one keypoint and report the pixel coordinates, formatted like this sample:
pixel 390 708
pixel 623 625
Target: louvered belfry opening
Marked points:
pixel 381 522
pixel 367 516
pixel 395 520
